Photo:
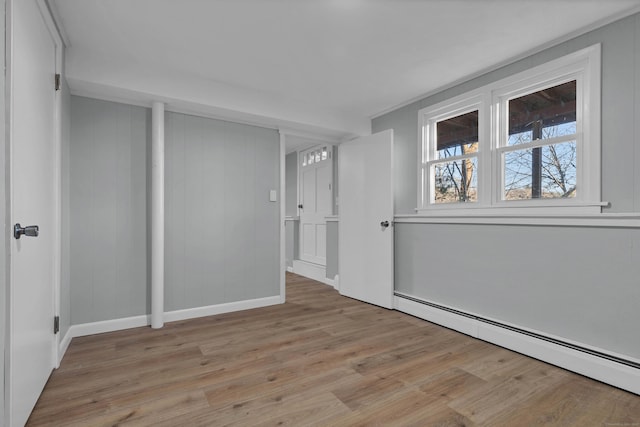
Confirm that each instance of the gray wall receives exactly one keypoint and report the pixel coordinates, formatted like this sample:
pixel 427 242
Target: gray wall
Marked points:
pixel 576 283
pixel 620 116
pixel 332 249
pixel 107 210
pixel 221 230
pixel 291 229
pixel 336 187
pixel 291 184
pixel 222 233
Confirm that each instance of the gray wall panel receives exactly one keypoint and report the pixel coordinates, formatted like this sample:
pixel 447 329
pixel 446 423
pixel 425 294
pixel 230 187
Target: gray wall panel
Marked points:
pixel 577 283
pixel 291 242
pixel 332 249
pixel 267 220
pixel 618 115
pixel 107 208
pixel 291 184
pixel 222 234
pixel 405 134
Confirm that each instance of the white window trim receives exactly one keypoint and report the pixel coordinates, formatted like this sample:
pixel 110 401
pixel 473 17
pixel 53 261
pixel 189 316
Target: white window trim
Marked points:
pixel 583 66
pixel 457 106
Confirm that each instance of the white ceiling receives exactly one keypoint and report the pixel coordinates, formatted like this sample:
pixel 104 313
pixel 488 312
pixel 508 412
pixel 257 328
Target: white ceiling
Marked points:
pixel 323 67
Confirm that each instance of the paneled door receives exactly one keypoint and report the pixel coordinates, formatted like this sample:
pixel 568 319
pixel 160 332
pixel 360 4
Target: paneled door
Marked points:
pixel 316 190
pixel 365 234
pixel 33 203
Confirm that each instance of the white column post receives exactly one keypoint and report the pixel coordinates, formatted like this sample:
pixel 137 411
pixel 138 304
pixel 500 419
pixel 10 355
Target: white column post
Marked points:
pixel 283 263
pixel 157 215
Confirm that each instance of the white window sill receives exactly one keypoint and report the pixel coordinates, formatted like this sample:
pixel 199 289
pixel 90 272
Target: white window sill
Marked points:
pixel 525 217
pixel 527 208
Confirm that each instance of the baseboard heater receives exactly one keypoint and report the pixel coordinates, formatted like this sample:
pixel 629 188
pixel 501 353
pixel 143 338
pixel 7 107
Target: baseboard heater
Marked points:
pixel 522 331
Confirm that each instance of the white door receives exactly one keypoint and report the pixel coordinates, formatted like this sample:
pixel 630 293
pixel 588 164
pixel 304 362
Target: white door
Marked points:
pixel 365 233
pixel 33 193
pixel 316 177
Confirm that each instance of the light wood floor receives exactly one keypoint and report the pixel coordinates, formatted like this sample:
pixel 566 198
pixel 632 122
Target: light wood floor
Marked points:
pixel 319 359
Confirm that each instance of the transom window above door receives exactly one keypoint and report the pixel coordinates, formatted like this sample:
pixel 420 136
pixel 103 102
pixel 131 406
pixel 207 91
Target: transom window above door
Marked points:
pixel 315 156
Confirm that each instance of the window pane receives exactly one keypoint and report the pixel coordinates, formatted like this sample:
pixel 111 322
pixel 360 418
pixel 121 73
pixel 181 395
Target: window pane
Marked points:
pixel 456 181
pixel 324 153
pixel 547 172
pixel 311 158
pixel 544 114
pixel 457 135
pixel 317 153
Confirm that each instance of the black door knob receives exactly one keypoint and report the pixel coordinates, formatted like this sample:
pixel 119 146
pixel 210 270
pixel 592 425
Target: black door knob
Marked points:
pixel 299 206
pixel 384 224
pixel 29 230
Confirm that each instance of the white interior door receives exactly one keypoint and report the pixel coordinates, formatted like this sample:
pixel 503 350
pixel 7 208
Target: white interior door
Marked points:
pixel 365 233
pixel 316 177
pixel 33 197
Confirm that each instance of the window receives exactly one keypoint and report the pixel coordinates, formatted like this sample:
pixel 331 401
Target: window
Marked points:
pixel 450 159
pixel 531 140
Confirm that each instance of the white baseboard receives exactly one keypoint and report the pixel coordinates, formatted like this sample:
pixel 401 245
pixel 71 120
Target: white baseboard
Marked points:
pixel 63 345
pixel 290 269
pixel 329 282
pixel 308 269
pixel 599 368
pixel 192 313
pixel 101 327
pixel 312 271
pixel 93 328
pixel 608 371
pixel 466 325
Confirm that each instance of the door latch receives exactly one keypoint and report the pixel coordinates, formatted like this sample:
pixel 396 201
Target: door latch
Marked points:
pixel 29 230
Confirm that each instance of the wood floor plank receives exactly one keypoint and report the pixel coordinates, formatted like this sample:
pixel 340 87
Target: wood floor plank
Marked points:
pixel 497 397
pixel 318 359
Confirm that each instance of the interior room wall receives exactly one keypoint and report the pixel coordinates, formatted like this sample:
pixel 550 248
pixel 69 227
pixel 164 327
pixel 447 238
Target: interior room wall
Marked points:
pixel 106 229
pixel 576 283
pixel 222 231
pixel 221 228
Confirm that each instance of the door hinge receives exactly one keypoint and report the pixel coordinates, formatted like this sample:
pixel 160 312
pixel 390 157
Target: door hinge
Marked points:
pixel 57 81
pixel 56 324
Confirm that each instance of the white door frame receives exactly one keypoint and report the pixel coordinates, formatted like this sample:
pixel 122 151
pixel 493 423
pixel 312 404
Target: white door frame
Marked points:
pixel 57 169
pixel 56 138
pixel 330 153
